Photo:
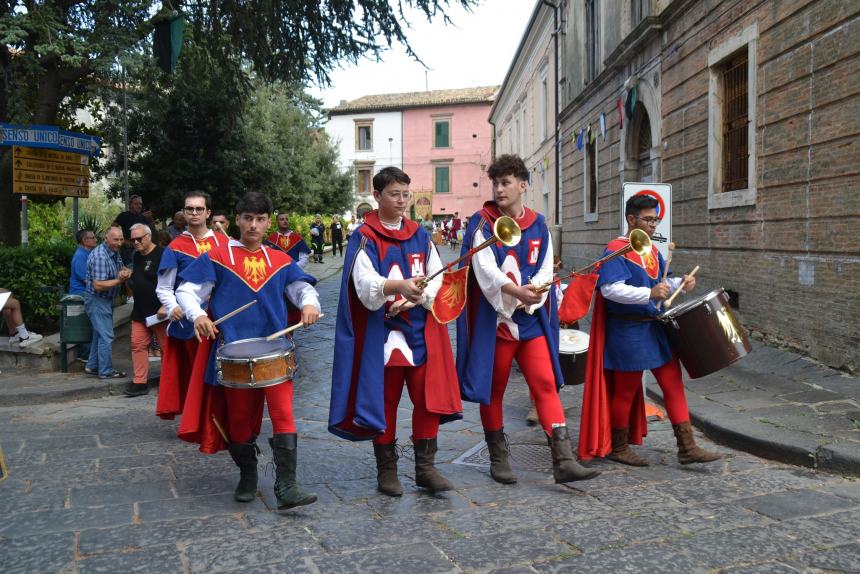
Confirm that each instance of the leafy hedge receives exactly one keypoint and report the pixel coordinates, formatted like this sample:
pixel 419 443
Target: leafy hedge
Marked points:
pixel 31 273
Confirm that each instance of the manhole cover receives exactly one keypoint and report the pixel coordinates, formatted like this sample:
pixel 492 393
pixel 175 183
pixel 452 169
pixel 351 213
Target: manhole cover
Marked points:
pixel 534 457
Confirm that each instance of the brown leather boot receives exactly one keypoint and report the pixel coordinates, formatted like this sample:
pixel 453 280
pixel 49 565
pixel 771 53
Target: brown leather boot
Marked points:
pixel 500 467
pixel 565 468
pixel 621 451
pixel 426 475
pixel 386 469
pixel 688 451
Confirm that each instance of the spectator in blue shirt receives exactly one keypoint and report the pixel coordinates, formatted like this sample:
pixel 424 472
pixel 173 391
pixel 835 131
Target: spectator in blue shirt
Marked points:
pixel 105 273
pixel 77 280
pixel 86 242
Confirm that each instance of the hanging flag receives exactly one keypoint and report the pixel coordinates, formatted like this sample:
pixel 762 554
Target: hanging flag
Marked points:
pixel 620 113
pixel 603 125
pixel 579 139
pixel 577 298
pixel 546 162
pixel 590 135
pixel 630 104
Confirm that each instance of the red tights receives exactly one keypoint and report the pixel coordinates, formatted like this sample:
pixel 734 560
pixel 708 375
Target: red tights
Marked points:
pixel 245 410
pixel 424 423
pixel 533 358
pixel 628 383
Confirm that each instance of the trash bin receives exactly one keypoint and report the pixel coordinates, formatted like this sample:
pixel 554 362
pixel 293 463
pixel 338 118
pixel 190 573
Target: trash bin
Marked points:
pixel 75 326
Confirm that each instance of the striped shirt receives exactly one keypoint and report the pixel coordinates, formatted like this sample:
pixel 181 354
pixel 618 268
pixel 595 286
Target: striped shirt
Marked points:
pixel 103 265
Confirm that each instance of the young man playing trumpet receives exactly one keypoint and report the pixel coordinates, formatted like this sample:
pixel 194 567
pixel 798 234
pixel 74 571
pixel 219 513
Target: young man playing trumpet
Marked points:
pixel 625 340
pixel 386 337
pixel 507 318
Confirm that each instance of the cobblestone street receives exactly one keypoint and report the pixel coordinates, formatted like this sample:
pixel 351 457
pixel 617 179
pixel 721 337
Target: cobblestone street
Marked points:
pixel 104 486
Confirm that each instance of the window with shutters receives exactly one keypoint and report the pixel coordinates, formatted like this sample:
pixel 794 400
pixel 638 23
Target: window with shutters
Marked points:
pixel 442 179
pixel 441 133
pixel 364 135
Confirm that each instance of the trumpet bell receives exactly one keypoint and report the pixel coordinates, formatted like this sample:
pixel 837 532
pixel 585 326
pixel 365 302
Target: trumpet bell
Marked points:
pixel 506 230
pixel 640 242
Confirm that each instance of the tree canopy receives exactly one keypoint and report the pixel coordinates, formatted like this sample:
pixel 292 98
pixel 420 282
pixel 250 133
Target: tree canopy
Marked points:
pixel 55 54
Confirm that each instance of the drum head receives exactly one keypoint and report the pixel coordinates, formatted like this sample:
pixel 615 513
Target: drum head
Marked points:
pixel 255 348
pixel 572 342
pixel 687 305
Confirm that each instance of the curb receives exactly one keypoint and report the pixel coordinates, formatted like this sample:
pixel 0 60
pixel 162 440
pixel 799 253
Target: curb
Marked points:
pixel 92 388
pixel 730 428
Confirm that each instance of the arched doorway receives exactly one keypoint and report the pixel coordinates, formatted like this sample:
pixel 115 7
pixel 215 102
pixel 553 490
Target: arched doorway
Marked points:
pixel 362 209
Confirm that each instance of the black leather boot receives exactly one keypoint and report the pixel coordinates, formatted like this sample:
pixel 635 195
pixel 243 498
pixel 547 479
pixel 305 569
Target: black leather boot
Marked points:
pixel 245 456
pixel 500 467
pixel 386 469
pixel 284 450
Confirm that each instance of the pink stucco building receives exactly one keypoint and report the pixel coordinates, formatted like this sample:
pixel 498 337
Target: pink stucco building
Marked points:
pixel 446 150
pixel 445 145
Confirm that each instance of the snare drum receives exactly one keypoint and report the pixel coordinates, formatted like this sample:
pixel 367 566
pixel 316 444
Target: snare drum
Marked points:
pixel 572 355
pixel 255 363
pixel 705 334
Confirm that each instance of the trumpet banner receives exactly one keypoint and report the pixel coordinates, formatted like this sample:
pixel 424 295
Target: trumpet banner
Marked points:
pixel 451 297
pixel 577 298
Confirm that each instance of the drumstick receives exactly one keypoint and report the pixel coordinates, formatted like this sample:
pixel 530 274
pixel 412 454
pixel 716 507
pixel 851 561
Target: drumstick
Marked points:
pixel 671 247
pixel 668 302
pixel 288 330
pixel 233 312
pixel 220 429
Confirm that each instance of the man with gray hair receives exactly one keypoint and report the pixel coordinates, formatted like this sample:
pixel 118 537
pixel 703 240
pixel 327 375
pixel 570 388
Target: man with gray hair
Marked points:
pixel 144 280
pixel 177 226
pixel 105 273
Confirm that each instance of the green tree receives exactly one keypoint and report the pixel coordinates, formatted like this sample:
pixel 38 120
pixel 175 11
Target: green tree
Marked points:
pixel 55 54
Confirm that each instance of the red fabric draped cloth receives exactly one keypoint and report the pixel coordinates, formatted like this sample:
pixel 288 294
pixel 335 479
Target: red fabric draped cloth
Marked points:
pixel 595 432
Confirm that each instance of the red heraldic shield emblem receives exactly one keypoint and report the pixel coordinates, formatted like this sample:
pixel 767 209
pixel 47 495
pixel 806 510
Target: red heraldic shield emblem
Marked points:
pixel 451 298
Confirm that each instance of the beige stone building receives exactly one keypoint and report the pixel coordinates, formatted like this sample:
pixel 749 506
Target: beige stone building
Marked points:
pixel 750 109
pixel 523 115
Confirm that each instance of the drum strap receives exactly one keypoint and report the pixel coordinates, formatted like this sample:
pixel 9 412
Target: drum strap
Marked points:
pixel 635 318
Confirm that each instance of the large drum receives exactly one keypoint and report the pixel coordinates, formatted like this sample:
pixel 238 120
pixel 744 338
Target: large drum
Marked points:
pixel 705 333
pixel 255 363
pixel 572 355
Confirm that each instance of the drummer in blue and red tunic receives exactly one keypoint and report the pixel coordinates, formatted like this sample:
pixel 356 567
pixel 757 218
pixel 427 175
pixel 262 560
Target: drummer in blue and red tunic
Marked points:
pixel 180 349
pixel 507 318
pixel 626 340
pixel 290 241
pixel 231 276
pixel 386 337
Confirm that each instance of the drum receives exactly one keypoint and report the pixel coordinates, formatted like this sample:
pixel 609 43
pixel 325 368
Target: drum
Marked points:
pixel 255 363
pixel 705 333
pixel 572 355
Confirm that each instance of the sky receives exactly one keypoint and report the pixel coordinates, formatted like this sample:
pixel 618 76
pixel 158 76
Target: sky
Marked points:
pixel 475 51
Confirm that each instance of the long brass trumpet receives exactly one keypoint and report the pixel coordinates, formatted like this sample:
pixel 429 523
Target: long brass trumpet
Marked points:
pixel 638 242
pixel 505 231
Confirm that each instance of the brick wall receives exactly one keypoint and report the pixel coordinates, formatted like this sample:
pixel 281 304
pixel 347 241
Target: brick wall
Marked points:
pixel 794 256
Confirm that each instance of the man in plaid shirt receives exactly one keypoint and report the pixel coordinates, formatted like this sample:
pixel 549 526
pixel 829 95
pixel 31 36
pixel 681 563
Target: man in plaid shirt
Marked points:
pixel 105 273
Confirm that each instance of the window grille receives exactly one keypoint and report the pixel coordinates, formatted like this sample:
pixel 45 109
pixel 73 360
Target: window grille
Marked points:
pixel 735 123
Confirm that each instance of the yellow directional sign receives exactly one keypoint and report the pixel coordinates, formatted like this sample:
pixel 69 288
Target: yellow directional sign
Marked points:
pixel 50 172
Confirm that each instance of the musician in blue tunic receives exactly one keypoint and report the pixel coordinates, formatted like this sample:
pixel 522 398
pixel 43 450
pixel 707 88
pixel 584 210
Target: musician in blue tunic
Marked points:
pixel 180 349
pixel 507 318
pixel 231 276
pixel 628 340
pixel 386 336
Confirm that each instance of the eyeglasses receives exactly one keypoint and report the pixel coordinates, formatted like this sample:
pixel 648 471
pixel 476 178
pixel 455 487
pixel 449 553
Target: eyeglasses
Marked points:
pixel 193 209
pixel 406 195
pixel 650 220
pixel 137 239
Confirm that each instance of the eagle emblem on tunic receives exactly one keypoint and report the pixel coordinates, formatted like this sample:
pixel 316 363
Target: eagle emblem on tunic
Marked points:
pixel 203 247
pixel 255 269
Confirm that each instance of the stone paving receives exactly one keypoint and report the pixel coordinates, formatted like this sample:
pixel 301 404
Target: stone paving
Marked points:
pixel 104 486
